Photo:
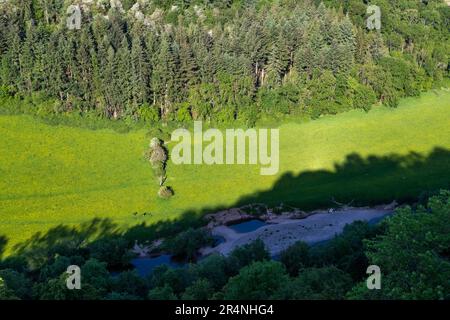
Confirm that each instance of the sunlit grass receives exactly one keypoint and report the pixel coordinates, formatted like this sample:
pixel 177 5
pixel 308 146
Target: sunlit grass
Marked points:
pixel 54 175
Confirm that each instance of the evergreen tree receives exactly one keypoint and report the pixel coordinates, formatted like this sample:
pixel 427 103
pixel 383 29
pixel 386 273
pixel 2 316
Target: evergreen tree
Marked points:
pixel 140 73
pixel 26 61
pixel 164 77
pixel 85 69
pixel 123 76
pixel 278 62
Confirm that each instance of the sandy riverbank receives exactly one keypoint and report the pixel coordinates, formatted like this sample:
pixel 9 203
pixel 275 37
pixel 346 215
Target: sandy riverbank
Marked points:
pixel 282 233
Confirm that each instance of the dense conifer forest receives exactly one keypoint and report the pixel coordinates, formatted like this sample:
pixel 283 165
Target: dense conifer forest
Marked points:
pixel 219 61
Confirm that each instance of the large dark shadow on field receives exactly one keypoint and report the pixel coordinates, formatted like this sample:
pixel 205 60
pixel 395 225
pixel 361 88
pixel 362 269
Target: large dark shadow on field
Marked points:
pixel 70 240
pixel 3 242
pixel 365 181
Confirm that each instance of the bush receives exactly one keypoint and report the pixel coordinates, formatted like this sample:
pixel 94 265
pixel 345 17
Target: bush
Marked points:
pixel 327 283
pixel 247 254
pixel 96 274
pixel 113 251
pixel 16 283
pixel 131 283
pixel 199 290
pixel 188 242
pixel 176 279
pixel 257 281
pixel 248 115
pixel 162 293
pixel 184 113
pixel 157 155
pixel 296 257
pixel 213 268
pixel 165 192
pixel 5 91
pixel 363 97
pixel 5 292
pixel 148 113
pixel 346 251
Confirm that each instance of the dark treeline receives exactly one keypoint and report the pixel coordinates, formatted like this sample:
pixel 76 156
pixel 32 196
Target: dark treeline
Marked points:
pixel 220 60
pixel 412 249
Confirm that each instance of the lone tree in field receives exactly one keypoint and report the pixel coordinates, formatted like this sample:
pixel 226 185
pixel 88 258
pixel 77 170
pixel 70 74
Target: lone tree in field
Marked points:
pixel 158 158
pixel 158 155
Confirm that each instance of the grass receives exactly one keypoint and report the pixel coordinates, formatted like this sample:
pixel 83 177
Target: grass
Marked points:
pixel 53 175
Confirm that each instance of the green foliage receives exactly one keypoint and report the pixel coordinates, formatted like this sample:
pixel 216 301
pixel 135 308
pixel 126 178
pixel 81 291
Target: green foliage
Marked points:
pixel 113 251
pixel 5 292
pixel 327 283
pixel 413 253
pixel 56 289
pixel 95 273
pixel 296 257
pixel 361 96
pixel 322 98
pixel 120 68
pixel 14 284
pixel 148 113
pixel 157 155
pixel 162 293
pixel 214 268
pixel 257 281
pixel 199 290
pixel 247 254
pixel 402 75
pixel 183 112
pixel 130 283
pixel 54 268
pixel 346 251
pixel 165 278
pixel 188 242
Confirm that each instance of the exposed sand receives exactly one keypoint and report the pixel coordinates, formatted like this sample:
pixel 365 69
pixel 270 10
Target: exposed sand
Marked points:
pixel 282 233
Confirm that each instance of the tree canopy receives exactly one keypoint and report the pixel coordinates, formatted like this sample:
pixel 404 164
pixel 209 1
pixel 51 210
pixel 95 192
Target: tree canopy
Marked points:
pixel 222 61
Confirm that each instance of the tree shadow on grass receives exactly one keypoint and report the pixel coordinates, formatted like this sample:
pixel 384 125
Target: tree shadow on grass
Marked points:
pixel 366 181
pixel 76 240
pixel 3 242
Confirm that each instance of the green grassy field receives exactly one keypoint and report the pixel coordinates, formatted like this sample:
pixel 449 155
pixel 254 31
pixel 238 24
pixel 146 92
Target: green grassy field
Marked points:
pixel 53 175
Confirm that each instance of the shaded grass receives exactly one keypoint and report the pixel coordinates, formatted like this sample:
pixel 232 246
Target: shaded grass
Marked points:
pixel 53 175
